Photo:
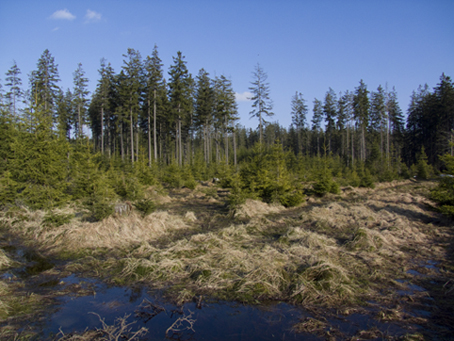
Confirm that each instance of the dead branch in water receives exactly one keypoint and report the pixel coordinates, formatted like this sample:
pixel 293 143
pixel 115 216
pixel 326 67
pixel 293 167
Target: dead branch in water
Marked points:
pixel 186 322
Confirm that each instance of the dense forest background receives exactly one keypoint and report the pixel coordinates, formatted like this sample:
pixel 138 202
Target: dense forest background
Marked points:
pixel 140 129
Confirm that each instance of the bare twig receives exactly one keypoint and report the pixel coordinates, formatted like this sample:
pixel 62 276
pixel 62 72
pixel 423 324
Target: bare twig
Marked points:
pixel 186 322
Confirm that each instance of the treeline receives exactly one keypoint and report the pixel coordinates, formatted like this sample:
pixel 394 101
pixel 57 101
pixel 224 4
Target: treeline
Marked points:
pixel 149 129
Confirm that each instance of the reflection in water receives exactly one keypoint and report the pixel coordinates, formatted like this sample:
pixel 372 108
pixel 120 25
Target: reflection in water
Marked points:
pixel 214 321
pixel 84 301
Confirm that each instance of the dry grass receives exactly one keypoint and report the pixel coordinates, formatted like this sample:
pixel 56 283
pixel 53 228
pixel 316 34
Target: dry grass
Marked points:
pixel 120 330
pixel 253 208
pixel 340 250
pixel 111 233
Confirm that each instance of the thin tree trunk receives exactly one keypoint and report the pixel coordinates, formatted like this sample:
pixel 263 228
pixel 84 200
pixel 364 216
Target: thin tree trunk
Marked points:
pixel 137 142
pixel 180 154
pixel 217 146
pixel 353 148
pixel 261 129
pixel 387 140
pixel 347 145
pixel 102 129
pixel 180 142
pixel 122 142
pixel 132 135
pixel 149 135
pixel 226 143
pixel 234 148
pixel 78 117
pixel 176 141
pixel 154 128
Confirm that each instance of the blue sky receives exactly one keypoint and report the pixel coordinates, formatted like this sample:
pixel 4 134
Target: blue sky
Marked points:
pixel 305 46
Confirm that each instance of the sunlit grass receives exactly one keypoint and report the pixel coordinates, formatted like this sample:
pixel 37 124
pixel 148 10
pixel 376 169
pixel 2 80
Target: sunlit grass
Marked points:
pixel 336 251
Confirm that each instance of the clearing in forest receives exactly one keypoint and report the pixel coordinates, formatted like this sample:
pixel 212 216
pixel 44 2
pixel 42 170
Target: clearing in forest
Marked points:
pixel 383 251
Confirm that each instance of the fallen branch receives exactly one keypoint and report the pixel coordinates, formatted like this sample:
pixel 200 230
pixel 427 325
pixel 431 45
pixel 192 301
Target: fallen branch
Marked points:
pixel 186 322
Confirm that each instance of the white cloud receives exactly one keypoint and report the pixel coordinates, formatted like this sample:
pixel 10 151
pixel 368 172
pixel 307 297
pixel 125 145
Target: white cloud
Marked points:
pixel 92 16
pixel 55 29
pixel 243 97
pixel 63 14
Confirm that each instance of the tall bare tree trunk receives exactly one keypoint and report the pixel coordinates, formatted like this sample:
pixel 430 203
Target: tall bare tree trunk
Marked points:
pixel 154 129
pixel 137 142
pixel 109 139
pixel 234 148
pixel 78 118
pixel 122 142
pixel 353 148
pixel 102 129
pixel 387 141
pixel 149 135
pixel 132 135
pixel 226 143
pixel 180 142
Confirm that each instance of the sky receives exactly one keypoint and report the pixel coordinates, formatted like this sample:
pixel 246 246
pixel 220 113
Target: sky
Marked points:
pixel 305 46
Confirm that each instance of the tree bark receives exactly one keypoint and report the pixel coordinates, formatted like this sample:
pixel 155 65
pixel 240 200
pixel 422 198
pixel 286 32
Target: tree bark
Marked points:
pixel 102 129
pixel 132 135
pixel 149 135
pixel 154 129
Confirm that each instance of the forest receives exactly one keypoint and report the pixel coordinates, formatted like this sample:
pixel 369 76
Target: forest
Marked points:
pixel 140 129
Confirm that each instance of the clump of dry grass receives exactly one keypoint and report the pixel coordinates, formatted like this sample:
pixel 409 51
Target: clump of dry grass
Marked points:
pixel 236 263
pixel 252 208
pixel 311 325
pixel 111 233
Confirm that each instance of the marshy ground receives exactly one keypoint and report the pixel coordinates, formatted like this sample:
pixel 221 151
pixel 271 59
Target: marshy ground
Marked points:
pixel 365 264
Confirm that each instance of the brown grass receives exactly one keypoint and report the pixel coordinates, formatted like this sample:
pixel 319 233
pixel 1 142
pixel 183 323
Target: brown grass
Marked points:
pixel 338 250
pixel 111 233
pixel 253 208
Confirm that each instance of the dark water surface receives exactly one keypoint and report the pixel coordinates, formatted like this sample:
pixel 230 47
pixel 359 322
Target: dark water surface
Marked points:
pixel 213 321
pixel 84 301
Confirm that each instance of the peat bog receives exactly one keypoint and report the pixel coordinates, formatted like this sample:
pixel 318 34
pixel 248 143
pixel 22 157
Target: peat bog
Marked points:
pixel 365 264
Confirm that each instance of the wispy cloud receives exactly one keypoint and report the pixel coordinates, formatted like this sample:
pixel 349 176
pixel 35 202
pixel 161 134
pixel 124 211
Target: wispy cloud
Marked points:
pixel 243 97
pixel 62 14
pixel 92 16
pixel 56 29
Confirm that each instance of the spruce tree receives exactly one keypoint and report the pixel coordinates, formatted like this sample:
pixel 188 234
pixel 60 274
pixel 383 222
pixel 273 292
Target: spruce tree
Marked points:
pixel 154 92
pixel 131 93
pixel 80 93
pixel 342 124
pixel 204 110
pixel 65 113
pixel 378 121
pixel 317 118
pixel 395 126
pixel 15 92
pixel 180 84
pixel 102 106
pixel 299 113
pixel 417 123
pixel 43 82
pixel 444 111
pixel 227 112
pixel 330 114
pixel 361 107
pixel 40 164
pixel 261 101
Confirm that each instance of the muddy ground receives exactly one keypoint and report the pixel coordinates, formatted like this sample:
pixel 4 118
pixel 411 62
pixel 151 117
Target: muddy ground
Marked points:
pixel 384 254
